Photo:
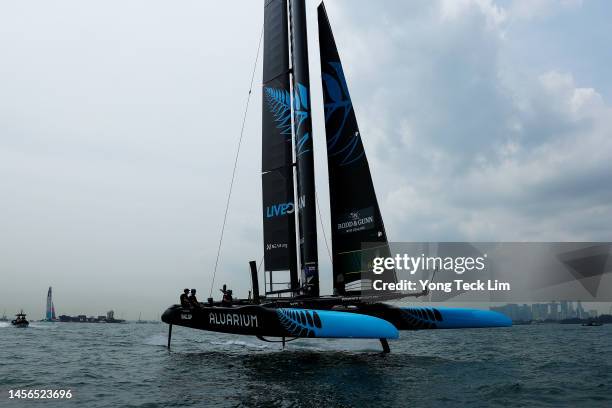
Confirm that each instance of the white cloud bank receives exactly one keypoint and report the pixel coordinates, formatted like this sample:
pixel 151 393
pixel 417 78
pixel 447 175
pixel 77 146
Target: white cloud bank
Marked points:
pixel 467 142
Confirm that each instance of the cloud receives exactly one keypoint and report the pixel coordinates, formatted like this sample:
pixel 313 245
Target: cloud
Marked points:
pixel 466 143
pixel 531 9
pixel 457 9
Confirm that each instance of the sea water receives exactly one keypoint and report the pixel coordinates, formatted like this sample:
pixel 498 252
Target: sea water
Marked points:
pixel 549 365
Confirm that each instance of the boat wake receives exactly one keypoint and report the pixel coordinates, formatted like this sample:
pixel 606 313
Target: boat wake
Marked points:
pixel 4 324
pixel 41 325
pixel 156 340
pixel 337 345
pixel 240 343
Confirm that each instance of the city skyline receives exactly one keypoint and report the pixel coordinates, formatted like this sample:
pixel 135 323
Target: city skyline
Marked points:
pixel 554 310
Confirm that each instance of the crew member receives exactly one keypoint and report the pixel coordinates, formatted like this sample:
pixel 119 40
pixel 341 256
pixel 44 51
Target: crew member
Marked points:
pixel 185 298
pixel 193 300
pixel 227 296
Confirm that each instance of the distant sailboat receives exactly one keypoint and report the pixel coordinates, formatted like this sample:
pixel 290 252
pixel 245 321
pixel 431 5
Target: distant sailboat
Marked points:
pixel 297 309
pixel 139 320
pixel 50 310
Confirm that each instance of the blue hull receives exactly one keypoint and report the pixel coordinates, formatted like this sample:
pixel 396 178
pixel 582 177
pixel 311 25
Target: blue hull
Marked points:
pixel 423 318
pixel 336 324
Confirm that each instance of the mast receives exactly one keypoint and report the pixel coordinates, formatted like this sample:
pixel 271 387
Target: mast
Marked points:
pixel 277 154
pixel 304 149
pixel 358 232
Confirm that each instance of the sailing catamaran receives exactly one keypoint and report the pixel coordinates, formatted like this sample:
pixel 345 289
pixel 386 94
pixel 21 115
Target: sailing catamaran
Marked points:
pixel 297 310
pixel 50 310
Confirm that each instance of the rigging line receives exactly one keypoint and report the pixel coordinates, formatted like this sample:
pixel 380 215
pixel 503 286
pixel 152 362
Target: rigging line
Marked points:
pixel 229 195
pixel 323 229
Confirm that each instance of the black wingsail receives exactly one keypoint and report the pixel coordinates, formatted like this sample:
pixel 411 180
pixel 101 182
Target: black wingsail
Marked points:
pixel 355 215
pixel 277 156
pixel 304 150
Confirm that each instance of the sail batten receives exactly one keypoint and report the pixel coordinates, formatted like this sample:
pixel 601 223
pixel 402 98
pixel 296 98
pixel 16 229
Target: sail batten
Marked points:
pixel 358 232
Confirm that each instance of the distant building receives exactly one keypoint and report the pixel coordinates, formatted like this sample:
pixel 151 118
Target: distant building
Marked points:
pixel 580 313
pixel 564 309
pixel 571 312
pixel 515 312
pixel 524 313
pixel 539 311
pixel 553 312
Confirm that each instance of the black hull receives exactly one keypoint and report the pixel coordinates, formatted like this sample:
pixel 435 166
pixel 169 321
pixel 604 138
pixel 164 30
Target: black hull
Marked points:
pixel 327 317
pixel 274 319
pixel 251 320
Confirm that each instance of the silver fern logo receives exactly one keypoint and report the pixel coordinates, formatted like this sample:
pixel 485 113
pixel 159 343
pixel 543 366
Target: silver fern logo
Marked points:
pixel 279 105
pixel 345 148
pixel 300 322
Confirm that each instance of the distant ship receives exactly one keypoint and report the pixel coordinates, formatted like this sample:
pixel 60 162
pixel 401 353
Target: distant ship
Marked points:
pixel 20 320
pixel 3 318
pixel 110 318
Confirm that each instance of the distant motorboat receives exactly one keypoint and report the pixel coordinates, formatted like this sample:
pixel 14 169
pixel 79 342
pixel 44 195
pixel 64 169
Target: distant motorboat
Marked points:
pixel 20 320
pixel 592 323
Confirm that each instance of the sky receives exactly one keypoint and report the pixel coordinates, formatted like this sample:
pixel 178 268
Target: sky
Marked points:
pixel 483 120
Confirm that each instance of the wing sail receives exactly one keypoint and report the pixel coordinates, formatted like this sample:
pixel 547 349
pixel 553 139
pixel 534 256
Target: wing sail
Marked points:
pixel 277 155
pixel 358 231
